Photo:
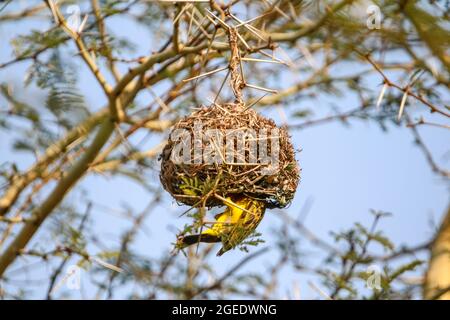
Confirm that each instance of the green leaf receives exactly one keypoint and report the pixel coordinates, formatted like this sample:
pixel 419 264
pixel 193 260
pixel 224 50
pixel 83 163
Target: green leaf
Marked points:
pixel 404 268
pixel 64 100
pixel 384 241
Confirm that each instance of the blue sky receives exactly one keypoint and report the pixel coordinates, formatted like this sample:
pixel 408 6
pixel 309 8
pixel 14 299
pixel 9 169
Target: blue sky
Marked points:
pixel 346 171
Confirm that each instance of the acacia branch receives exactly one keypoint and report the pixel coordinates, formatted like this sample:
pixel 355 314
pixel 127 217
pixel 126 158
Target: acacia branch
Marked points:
pixel 65 184
pixel 406 90
pixel 56 196
pixel 20 182
pixel 103 38
pixel 84 52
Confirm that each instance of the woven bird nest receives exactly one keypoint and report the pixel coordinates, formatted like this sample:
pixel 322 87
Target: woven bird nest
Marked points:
pixel 229 150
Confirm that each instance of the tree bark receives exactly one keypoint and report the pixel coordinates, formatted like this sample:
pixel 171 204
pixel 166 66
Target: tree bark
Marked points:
pixel 437 279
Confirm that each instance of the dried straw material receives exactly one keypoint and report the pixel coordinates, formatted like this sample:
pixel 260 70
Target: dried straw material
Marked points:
pixel 229 150
pixel 204 183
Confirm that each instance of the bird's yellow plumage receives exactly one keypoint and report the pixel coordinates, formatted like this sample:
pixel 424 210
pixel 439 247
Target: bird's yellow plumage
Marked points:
pixel 234 225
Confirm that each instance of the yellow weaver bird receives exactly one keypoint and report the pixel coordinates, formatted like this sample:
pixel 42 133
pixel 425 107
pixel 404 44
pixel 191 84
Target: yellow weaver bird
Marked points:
pixel 234 225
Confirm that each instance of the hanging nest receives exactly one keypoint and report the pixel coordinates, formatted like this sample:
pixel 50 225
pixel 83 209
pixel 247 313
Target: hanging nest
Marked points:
pixel 200 183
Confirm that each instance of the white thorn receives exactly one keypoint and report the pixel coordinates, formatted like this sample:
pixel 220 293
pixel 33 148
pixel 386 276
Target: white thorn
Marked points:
pixel 402 105
pixel 380 97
